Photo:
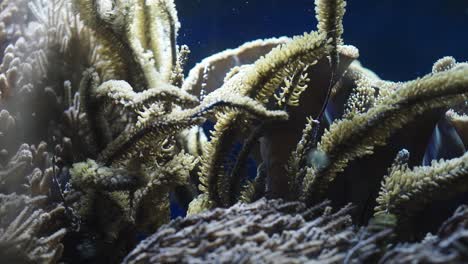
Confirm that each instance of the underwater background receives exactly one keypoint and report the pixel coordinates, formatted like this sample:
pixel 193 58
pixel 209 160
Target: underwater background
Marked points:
pixel 95 143
pixel 398 39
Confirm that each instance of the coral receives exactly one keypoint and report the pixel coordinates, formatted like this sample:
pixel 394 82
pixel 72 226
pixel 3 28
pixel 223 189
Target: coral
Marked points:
pixel 447 246
pixel 26 235
pixel 266 231
pixel 134 172
pixel 100 131
pixel 405 190
pixel 374 127
pixel 45 47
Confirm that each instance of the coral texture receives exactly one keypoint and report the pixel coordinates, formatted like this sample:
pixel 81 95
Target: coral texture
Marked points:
pixel 266 231
pixel 24 230
pixel 447 246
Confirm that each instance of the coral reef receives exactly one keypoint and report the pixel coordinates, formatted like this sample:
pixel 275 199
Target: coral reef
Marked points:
pixel 100 131
pixel 273 231
pixel 447 246
pixel 266 231
pixel 26 233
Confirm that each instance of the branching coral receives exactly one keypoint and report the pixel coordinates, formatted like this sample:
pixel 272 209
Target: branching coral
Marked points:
pixel 44 51
pixel 409 189
pixel 96 89
pixel 447 246
pixel 24 228
pixel 136 170
pixel 266 231
pixel 349 139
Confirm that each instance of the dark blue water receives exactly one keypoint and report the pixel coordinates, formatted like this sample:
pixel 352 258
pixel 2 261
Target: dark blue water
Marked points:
pixel 398 39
